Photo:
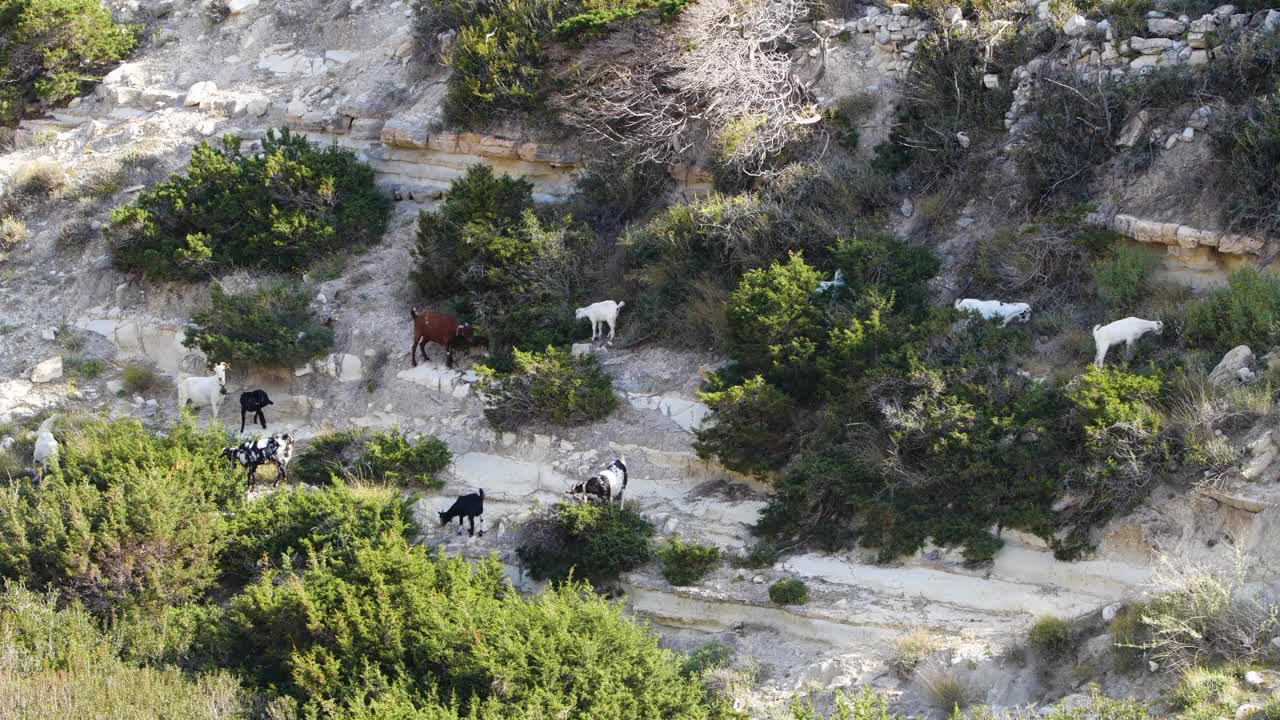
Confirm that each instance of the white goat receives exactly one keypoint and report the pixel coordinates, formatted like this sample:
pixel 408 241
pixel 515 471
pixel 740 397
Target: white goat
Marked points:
pixel 1125 331
pixel 46 445
pixel 994 309
pixel 836 281
pixel 204 390
pixel 605 311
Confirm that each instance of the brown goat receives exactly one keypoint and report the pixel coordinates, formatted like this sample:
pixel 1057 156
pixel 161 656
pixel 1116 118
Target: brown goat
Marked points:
pixel 442 329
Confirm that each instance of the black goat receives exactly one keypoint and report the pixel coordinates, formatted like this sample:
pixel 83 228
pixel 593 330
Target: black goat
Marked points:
pixel 253 402
pixel 469 507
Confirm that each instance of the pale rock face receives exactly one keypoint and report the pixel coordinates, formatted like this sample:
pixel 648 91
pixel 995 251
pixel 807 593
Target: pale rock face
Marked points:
pixel 1227 371
pixel 47 371
pixel 200 92
pixel 238 7
pixel 1165 27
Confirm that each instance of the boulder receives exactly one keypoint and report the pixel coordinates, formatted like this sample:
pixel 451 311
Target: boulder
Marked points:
pixel 199 93
pixel 1166 27
pixel 1133 130
pixel 1262 453
pixel 1109 612
pixel 238 7
pixel 1078 26
pixel 991 81
pixel 47 371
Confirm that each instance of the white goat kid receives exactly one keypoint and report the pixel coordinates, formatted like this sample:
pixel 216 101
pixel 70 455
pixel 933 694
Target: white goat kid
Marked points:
pixel 200 391
pixel 605 311
pixel 1125 331
pixel 994 309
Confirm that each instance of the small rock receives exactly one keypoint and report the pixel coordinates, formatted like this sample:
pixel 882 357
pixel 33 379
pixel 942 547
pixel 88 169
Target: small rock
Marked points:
pixel 152 402
pixel 1109 612
pixel 1227 369
pixel 581 349
pixel 1165 27
pixel 47 371
pixel 991 81
pixel 1077 26
pixel 952 15
pixel 1253 679
pixel 1171 141
pixel 758 579
pixel 963 138
pixel 1199 118
pixel 115 387
pixel 1133 130
pixel 1188 134
pixel 49 334
pixel 899 8
pixel 200 92
pixel 1153 666
pixel 907 208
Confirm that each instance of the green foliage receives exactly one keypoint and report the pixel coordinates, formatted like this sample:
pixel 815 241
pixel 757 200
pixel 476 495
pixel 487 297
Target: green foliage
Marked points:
pixel 1052 637
pixel 81 367
pixel 12 231
pixel 391 626
pixel 1245 312
pixel 498 57
pixel 378 456
pixel 1252 144
pixel 486 248
pixel 267 532
pixel 774 326
pixel 789 591
pixel 59 665
pixel 708 656
pixel 1124 275
pixel 595 542
pixel 271 327
pixel 55 50
pixel 123 518
pixel 279 210
pixel 138 378
pixel 866 705
pixel 1110 396
pixel 754 428
pixel 615 191
pixel 686 260
pixel 687 564
pixel 550 386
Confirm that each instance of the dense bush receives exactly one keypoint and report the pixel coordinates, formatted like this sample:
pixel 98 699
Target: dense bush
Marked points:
pixel 271 327
pixel 58 664
pixel 550 386
pixel 755 429
pixel 594 542
pixel 278 209
pixel 685 261
pixel 789 591
pixel 1052 637
pixel 392 627
pixel 1245 312
pixel 1124 275
pixel 687 564
pixel 379 456
pixel 515 275
pixel 273 528
pixel 123 518
pixel 55 50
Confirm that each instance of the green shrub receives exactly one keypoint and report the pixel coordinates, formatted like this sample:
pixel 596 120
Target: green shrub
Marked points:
pixel 55 50
pixel 270 327
pixel 138 378
pixel 77 233
pixel 753 432
pixel 913 647
pixel 594 542
pixel 269 530
pixel 123 518
pixel 710 655
pixel 58 664
pixel 486 248
pixel 789 591
pixel 81 367
pixel 1110 396
pixel 867 704
pixel 1201 687
pixel 687 564
pixel 392 626
pixel 277 210
pixel 1052 637
pixel 947 693
pixel 380 456
pixel 1245 312
pixel 1123 276
pixel 773 321
pixel 550 386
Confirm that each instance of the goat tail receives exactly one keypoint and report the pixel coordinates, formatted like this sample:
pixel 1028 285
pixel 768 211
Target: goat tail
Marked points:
pixel 1096 328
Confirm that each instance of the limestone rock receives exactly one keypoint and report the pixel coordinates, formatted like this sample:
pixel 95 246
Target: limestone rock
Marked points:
pixel 991 81
pixel 1165 27
pixel 199 92
pixel 47 371
pixel 1077 26
pixel 1247 710
pixel 49 334
pixel 1262 453
pixel 1253 679
pixel 1133 130
pixel 581 349
pixel 1109 612
pixel 908 208
pixel 238 7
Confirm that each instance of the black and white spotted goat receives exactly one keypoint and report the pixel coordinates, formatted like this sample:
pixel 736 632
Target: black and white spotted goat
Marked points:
pixel 469 507
pixel 604 487
pixel 276 450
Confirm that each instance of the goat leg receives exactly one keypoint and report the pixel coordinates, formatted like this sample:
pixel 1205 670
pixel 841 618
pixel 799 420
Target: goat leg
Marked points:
pixel 481 526
pixel 471 532
pixel 262 418
pixel 242 411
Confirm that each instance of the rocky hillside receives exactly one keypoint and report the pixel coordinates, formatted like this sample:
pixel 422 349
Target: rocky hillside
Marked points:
pixel 947 489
